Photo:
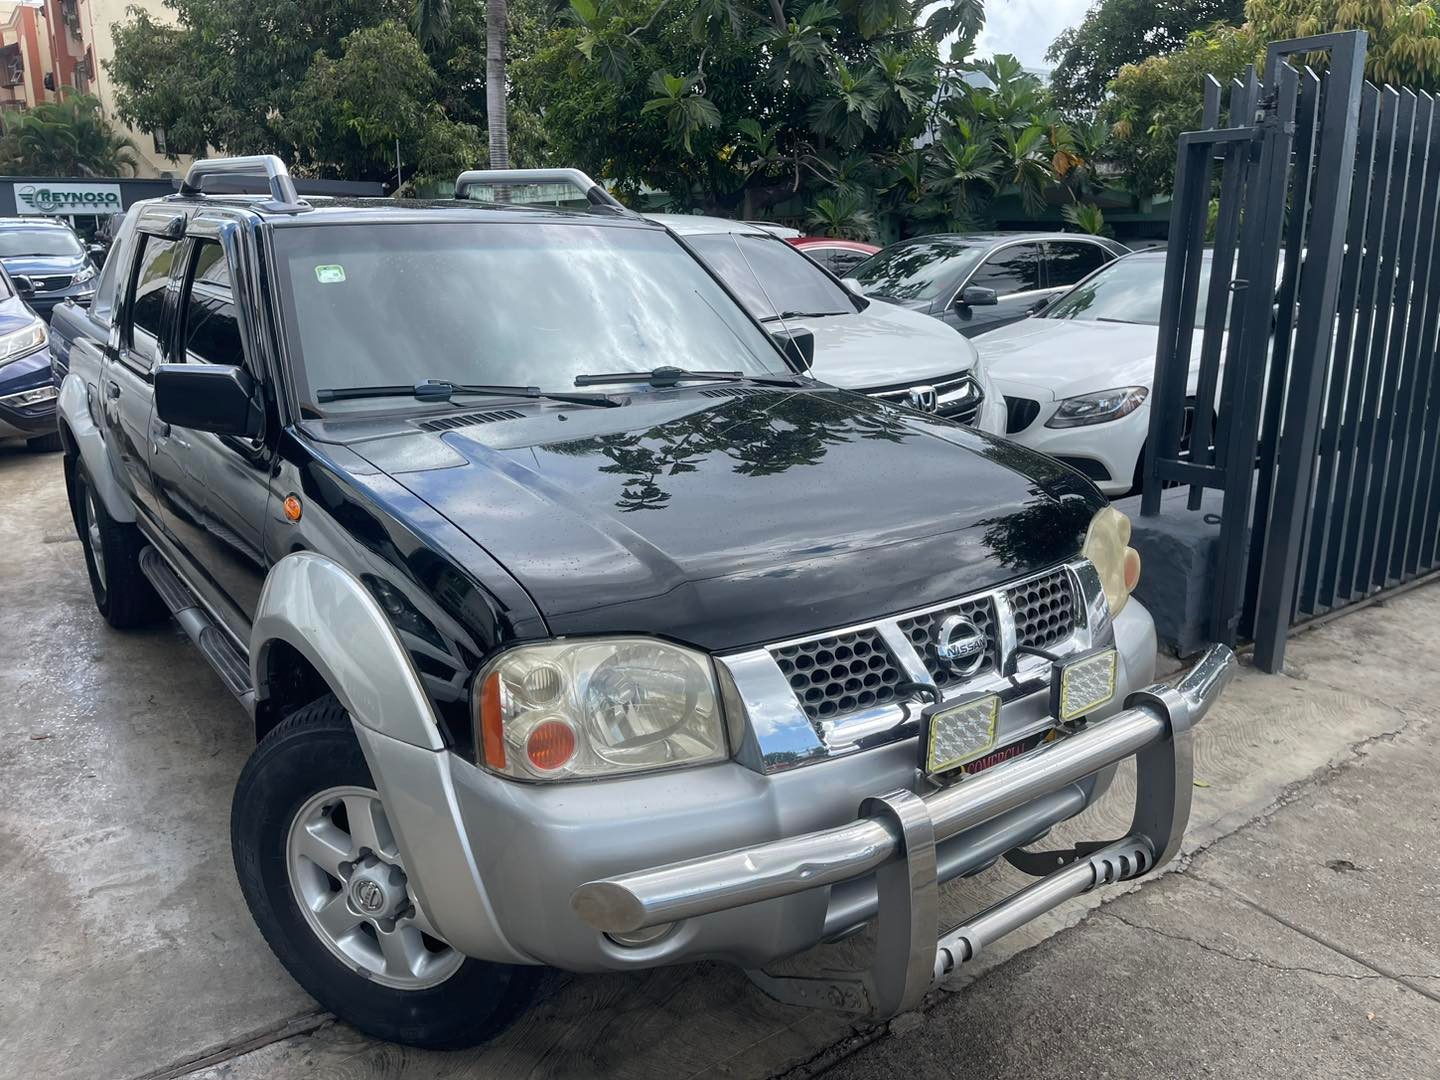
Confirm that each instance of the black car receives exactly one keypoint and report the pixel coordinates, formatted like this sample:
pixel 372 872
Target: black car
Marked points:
pixel 579 626
pixel 48 262
pixel 980 281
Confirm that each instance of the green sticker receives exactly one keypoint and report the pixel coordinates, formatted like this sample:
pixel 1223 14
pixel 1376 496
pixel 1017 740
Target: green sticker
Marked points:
pixel 329 273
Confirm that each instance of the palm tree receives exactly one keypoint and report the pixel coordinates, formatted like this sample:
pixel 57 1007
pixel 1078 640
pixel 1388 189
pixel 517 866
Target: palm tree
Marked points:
pixel 496 108
pixel 65 138
pixel 431 21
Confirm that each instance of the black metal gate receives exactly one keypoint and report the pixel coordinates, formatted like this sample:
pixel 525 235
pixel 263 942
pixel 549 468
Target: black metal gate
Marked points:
pixel 1316 407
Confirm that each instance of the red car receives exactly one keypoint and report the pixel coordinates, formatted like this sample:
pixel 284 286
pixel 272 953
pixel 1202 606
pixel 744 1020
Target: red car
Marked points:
pixel 838 256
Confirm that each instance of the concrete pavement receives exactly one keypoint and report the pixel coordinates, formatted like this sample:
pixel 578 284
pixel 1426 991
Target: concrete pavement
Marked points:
pixel 133 955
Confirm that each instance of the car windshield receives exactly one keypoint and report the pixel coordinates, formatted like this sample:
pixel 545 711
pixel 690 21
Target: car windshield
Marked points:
pixel 1128 290
pixel 771 278
pixel 512 304
pixel 23 241
pixel 917 269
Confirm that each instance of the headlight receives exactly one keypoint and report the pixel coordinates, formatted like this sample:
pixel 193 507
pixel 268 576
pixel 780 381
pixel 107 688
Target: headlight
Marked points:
pixel 22 342
pixel 602 707
pixel 1107 546
pixel 84 275
pixel 1098 408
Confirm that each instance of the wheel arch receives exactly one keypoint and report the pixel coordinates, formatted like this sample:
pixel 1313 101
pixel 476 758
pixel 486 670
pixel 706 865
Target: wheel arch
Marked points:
pixel 83 440
pixel 314 612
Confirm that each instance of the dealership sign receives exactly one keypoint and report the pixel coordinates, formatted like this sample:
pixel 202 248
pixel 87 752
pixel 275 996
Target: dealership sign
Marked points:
pixel 63 198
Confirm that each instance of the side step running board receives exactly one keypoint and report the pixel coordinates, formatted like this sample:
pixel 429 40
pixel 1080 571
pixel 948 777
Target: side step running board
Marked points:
pixel 224 657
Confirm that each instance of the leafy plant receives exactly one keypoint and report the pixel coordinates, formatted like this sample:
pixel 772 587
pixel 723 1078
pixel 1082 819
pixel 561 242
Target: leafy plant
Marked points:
pixel 1087 217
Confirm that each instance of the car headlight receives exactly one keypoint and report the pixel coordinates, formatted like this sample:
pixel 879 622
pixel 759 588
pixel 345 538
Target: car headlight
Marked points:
pixel 1107 546
pixel 22 342
pixel 598 707
pixel 1098 408
pixel 84 275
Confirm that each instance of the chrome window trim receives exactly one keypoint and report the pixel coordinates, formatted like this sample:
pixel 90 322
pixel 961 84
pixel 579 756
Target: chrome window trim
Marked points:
pixel 787 738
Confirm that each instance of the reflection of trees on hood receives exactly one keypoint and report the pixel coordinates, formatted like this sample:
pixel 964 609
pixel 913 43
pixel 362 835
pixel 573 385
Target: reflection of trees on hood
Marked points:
pixel 1040 532
pixel 761 436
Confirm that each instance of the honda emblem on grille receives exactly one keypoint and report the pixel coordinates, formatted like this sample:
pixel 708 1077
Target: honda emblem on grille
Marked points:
pixel 924 398
pixel 960 645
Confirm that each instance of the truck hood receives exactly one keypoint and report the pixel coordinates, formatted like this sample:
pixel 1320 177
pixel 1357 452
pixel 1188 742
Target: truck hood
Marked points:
pixel 727 520
pixel 885 345
pixel 1061 358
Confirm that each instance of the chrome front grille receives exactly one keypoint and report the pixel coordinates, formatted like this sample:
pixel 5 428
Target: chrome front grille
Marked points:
pixel 812 698
pixel 833 676
pixel 956 398
pixel 1044 609
pixel 837 675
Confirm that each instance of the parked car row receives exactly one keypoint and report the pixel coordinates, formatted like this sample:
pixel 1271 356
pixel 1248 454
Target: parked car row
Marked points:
pixel 581 621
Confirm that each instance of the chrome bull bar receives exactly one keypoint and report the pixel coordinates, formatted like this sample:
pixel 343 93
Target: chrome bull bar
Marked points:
pixel 896 835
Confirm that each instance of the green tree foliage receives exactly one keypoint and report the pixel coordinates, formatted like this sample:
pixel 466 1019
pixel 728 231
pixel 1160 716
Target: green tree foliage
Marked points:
pixel 740 106
pixel 69 137
pixel 327 84
pixel 1119 32
pixel 1152 102
pixel 1404 48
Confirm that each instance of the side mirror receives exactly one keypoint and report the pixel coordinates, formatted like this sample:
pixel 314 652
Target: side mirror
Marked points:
pixel 23 285
pixel 97 252
pixel 978 296
pixel 798 345
pixel 207 397
pixel 1040 305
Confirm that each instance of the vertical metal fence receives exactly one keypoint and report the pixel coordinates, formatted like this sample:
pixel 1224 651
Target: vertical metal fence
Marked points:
pixel 1312 396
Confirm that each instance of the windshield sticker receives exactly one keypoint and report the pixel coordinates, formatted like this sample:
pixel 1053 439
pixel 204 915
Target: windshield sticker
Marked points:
pixel 329 273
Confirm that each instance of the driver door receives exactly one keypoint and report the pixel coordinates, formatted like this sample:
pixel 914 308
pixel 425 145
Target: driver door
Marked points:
pixel 1015 272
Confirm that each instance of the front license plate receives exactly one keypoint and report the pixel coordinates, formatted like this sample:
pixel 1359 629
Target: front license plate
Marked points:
pixel 960 733
pixel 1005 753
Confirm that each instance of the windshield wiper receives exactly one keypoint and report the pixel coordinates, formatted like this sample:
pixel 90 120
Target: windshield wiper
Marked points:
pixel 669 376
pixel 439 390
pixel 804 315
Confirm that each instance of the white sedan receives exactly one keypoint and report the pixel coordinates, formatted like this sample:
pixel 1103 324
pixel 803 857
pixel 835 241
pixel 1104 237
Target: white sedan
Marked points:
pixel 1076 378
pixel 860 344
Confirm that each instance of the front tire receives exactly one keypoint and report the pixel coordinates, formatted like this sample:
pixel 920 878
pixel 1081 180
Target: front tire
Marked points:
pixel 326 884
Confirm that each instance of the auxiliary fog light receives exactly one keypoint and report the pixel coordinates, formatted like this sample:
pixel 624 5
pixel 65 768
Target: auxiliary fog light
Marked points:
pixel 960 733
pixel 1081 685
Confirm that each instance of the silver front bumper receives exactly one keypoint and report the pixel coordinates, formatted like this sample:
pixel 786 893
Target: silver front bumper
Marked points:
pixel 895 837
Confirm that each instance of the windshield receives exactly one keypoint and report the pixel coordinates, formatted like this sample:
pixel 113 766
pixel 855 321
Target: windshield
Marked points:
pixel 1128 290
pixel 917 269
pixel 24 241
pixel 513 304
pixel 770 277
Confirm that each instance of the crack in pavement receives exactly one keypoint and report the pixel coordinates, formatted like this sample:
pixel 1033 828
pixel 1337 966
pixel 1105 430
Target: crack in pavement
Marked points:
pixel 1260 961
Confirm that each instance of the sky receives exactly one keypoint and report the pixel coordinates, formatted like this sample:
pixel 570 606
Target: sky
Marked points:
pixel 1027 27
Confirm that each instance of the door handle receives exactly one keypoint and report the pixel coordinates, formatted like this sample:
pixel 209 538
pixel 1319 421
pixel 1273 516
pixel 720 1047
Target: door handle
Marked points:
pixel 163 429
pixel 112 390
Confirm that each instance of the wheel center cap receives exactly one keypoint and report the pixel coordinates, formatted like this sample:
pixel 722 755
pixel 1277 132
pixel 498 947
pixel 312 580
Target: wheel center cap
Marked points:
pixel 369 897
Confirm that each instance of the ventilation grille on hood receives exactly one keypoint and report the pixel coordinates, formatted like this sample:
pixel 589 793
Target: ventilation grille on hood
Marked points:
pixel 733 391
pixel 450 423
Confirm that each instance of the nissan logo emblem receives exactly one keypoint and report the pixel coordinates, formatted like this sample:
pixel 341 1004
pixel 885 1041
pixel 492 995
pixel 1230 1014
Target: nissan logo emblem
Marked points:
pixel 960 645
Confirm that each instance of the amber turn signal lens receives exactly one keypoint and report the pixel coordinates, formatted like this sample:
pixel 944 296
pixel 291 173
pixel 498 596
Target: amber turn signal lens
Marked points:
pixel 293 508
pixel 492 723
pixel 1132 569
pixel 550 745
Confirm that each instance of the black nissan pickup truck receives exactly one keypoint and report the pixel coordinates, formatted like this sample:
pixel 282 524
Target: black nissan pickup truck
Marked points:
pixel 580 627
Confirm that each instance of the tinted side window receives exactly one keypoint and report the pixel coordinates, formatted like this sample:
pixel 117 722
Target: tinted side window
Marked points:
pixel 843 260
pixel 1071 262
pixel 147 308
pixel 1010 270
pixel 210 332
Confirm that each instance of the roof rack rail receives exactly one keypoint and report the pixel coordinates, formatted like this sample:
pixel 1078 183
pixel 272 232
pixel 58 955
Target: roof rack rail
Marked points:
pixel 596 195
pixel 277 176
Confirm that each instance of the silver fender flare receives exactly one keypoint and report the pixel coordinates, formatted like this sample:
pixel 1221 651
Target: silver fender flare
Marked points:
pixel 323 611
pixel 319 608
pixel 74 406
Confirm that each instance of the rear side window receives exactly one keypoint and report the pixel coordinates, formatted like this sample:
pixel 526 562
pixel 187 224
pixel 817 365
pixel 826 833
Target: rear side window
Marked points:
pixel 210 331
pixel 103 306
pixel 1069 262
pixel 1010 270
pixel 147 309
